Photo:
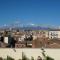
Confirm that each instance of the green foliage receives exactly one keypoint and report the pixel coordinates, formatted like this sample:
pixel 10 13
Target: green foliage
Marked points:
pixel 24 56
pixel 1 58
pixel 49 58
pixel 9 58
pixel 32 58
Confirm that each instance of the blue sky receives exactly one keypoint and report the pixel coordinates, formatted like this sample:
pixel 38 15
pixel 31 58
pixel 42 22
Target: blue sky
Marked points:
pixel 45 12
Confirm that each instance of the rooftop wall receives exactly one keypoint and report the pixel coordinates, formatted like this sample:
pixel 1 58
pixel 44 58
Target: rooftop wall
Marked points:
pixel 17 53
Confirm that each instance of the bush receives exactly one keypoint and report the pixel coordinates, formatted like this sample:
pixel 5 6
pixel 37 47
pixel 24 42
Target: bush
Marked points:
pixel 49 58
pixel 32 58
pixel 9 58
pixel 24 56
pixel 1 58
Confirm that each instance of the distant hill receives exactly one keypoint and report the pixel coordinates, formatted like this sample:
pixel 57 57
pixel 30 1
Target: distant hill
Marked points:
pixel 29 27
pixel 35 28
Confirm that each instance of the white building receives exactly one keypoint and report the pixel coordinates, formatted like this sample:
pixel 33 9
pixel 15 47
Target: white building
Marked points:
pixel 6 40
pixel 54 34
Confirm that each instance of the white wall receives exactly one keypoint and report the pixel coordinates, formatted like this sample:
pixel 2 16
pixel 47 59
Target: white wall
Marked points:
pixel 55 34
pixel 58 34
pixel 54 53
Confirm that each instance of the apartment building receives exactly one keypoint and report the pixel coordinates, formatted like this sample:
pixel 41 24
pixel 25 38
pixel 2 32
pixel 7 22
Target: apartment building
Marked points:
pixel 54 33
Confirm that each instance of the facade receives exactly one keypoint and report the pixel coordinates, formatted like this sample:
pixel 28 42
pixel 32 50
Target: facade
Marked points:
pixel 54 34
pixel 6 40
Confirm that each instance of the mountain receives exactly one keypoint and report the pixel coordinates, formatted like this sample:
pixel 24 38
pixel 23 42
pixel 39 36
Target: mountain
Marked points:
pixel 27 27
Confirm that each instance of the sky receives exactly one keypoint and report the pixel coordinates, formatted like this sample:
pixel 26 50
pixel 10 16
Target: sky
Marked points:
pixel 44 12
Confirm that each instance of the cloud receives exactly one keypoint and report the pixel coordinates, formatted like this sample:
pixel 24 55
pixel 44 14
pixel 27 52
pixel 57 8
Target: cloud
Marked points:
pixel 32 24
pixel 17 21
pixel 5 25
